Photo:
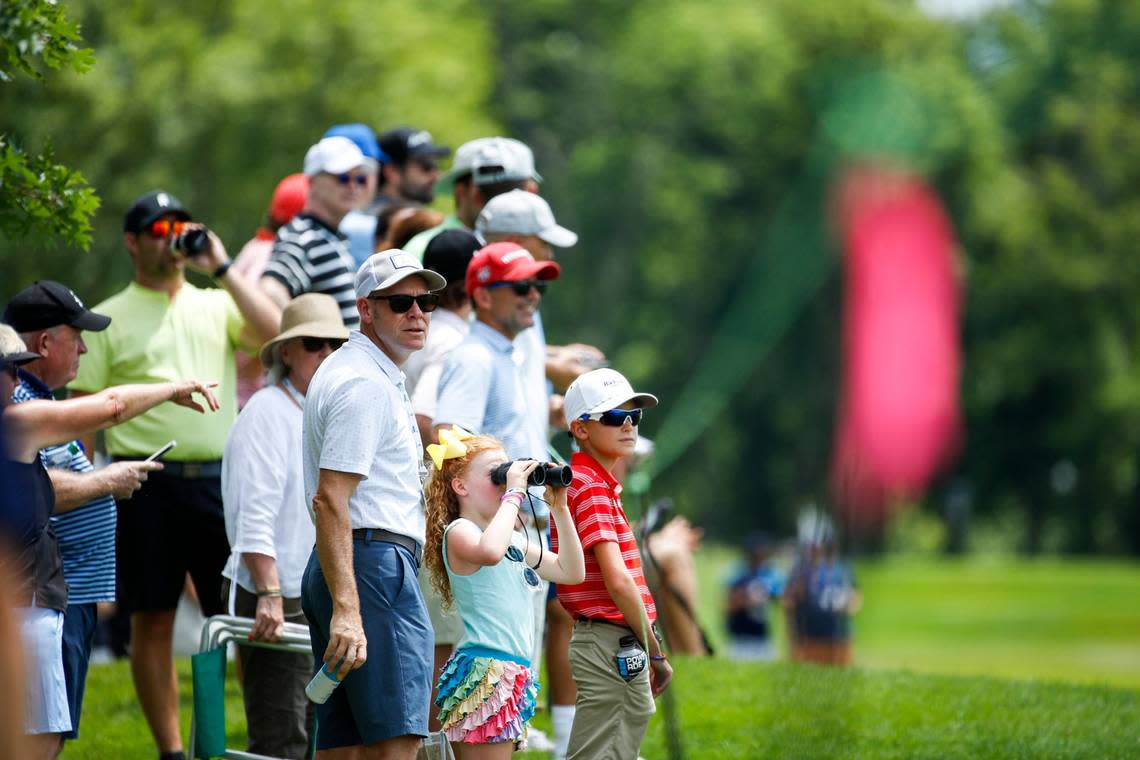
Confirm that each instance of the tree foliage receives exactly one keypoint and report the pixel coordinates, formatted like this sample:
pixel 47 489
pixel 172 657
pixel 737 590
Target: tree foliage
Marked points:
pixel 41 200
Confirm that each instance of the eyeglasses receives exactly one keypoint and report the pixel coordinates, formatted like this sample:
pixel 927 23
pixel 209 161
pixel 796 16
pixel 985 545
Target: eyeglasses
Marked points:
pixel 345 179
pixel 313 345
pixel 402 302
pixel 521 287
pixel 615 417
pixel 162 228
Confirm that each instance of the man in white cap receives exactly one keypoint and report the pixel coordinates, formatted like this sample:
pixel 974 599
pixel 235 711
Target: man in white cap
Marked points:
pixel 482 169
pixel 364 470
pixel 311 255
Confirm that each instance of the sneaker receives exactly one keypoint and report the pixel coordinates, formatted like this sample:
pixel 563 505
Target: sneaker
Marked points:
pixel 538 741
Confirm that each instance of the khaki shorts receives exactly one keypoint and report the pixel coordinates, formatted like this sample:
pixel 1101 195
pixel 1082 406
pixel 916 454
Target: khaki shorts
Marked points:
pixel 447 624
pixel 612 715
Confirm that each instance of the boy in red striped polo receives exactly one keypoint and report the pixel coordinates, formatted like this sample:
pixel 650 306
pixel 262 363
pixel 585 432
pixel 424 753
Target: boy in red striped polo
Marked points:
pixel 615 656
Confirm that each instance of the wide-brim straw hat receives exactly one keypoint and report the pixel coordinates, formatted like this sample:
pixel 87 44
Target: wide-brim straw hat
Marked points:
pixel 311 315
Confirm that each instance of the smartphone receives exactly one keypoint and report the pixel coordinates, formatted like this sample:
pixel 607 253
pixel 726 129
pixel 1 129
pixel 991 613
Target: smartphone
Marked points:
pixel 163 450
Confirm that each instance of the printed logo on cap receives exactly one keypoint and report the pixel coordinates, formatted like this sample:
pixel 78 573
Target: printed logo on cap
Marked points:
pixel 519 254
pixel 483 274
pixel 162 199
pixel 75 298
pixel 403 261
pixel 417 139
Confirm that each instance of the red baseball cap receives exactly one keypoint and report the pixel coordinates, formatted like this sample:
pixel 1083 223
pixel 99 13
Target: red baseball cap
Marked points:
pixel 289 198
pixel 507 262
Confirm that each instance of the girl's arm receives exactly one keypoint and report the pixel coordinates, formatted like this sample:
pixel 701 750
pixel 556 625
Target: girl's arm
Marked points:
pixel 36 424
pixel 468 548
pixel 568 564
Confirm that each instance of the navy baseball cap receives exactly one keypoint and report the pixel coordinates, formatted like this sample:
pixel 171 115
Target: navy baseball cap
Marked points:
pixel 150 207
pixel 48 304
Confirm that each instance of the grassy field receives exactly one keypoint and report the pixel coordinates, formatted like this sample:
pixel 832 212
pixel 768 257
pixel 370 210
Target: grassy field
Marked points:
pixel 1035 659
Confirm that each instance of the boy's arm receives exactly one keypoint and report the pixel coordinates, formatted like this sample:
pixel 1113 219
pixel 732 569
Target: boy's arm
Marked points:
pixel 623 590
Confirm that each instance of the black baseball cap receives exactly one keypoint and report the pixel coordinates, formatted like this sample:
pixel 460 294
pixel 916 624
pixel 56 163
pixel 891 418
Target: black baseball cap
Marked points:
pixel 154 205
pixel 405 143
pixel 48 304
pixel 450 252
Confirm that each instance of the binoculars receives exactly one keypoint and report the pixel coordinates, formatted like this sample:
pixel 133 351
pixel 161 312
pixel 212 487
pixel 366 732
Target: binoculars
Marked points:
pixel 546 474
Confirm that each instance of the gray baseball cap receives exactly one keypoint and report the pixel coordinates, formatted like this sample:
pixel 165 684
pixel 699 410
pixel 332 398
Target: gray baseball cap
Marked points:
pixel 491 159
pixel 386 268
pixel 519 212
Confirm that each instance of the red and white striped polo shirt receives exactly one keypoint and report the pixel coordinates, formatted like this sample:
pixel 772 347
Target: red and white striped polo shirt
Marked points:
pixel 598 514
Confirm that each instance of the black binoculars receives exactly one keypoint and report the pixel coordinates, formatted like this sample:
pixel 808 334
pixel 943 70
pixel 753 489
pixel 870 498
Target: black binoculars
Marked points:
pixel 546 474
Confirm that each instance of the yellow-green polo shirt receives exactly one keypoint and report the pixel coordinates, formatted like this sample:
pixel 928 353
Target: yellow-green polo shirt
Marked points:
pixel 153 339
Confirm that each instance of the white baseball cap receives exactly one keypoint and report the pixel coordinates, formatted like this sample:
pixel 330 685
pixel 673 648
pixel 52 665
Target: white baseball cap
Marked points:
pixel 386 268
pixel 334 155
pixel 601 390
pixel 523 213
pixel 491 159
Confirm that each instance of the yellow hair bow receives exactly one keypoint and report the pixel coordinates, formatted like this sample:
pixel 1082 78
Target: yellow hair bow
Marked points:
pixel 450 445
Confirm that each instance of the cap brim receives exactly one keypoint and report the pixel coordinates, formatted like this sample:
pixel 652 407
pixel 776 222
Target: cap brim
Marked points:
pixel 305 330
pixel 527 268
pixel 435 281
pixel 20 357
pixel 641 400
pixel 559 236
pixel 91 321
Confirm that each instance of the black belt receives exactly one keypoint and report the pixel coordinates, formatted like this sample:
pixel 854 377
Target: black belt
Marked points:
pixel 188 470
pixel 388 537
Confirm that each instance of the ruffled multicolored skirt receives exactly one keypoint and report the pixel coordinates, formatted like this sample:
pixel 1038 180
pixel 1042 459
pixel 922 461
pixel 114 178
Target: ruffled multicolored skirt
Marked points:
pixel 486 697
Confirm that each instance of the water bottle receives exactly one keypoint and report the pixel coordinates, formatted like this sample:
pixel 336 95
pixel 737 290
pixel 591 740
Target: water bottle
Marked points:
pixel 630 659
pixel 321 687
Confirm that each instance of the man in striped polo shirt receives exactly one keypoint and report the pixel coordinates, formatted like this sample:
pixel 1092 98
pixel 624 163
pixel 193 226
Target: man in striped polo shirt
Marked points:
pixel 50 317
pixel 311 255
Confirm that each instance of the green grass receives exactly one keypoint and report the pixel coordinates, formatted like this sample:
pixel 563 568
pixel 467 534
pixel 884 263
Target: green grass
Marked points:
pixel 1062 637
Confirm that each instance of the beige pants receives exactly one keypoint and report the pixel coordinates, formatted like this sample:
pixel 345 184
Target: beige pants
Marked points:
pixel 612 715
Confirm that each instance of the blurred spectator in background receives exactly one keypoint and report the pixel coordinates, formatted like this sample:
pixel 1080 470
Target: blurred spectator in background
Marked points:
pixel 288 199
pixel 820 599
pixel 749 591
pixel 42 599
pixel 268 524
pixel 310 254
pixel 412 168
pixel 388 216
pixel 50 319
pixel 359 224
pixel 409 225
pixel 482 169
pixel 164 325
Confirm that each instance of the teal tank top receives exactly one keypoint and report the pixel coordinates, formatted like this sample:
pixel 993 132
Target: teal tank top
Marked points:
pixel 496 603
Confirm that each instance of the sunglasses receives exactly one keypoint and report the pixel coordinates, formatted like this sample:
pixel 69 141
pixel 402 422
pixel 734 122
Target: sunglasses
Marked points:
pixel 401 302
pixel 615 417
pixel 521 287
pixel 345 179
pixel 166 227
pixel 515 554
pixel 313 345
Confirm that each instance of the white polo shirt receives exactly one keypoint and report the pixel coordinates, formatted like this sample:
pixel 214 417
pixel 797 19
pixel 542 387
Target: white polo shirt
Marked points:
pixel 358 419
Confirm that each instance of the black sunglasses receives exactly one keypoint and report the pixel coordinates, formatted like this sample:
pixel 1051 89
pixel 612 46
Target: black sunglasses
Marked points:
pixel 313 345
pixel 402 302
pixel 615 417
pixel 521 287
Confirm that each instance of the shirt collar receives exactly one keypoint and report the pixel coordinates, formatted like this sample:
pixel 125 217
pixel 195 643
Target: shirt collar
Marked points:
pixel 364 343
pixel 321 223
pixel 493 337
pixel 34 384
pixel 582 460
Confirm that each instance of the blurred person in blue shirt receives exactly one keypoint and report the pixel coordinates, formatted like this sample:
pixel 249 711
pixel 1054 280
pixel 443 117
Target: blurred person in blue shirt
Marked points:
pixel 749 591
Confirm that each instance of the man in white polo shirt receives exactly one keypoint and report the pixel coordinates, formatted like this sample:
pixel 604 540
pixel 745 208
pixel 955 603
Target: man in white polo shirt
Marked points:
pixel 364 472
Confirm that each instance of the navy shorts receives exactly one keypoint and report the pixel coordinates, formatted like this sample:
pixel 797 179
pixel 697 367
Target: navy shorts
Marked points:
pixel 78 637
pixel 390 694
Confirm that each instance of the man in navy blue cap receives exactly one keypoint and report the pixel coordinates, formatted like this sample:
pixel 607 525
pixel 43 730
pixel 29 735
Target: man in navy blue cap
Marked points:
pixel 50 319
pixel 412 168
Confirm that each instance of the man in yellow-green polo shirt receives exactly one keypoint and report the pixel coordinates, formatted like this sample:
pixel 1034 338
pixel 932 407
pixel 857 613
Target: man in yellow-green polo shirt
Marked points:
pixel 164 328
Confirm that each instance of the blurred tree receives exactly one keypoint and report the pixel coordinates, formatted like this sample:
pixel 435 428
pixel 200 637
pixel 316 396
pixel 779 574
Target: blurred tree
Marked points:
pixel 40 199
pixel 217 101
